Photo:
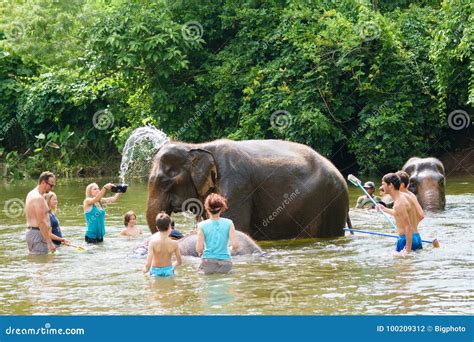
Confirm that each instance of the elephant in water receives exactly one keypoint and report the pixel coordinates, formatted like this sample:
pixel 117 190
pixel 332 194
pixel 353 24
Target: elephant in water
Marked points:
pixel 275 189
pixel 427 182
pixel 187 246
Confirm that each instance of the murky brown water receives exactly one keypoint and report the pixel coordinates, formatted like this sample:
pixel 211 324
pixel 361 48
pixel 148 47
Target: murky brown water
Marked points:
pixel 354 275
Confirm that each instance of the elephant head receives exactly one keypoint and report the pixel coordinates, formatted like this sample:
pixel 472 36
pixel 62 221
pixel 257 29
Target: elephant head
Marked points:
pixel 180 179
pixel 427 182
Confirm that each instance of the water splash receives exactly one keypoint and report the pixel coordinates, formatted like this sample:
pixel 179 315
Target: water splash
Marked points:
pixel 140 148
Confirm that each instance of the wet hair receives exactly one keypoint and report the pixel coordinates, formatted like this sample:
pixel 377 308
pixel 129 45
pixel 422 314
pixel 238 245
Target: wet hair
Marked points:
pixel 128 215
pixel 163 221
pixel 404 177
pixel 215 204
pixel 45 176
pixel 48 197
pixel 392 178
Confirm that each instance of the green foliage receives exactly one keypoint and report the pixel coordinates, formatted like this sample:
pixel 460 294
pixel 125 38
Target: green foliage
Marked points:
pixel 364 82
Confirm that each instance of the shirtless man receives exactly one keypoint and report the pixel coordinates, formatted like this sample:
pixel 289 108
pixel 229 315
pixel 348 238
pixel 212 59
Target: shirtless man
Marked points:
pixel 404 180
pixel 404 212
pixel 37 219
pixel 161 249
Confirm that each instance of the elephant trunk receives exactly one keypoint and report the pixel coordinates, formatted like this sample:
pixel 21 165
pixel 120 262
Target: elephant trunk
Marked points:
pixel 151 212
pixel 155 204
pixel 431 197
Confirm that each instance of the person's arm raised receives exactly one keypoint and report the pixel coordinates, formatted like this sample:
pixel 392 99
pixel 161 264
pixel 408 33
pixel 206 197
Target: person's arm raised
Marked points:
pixel 91 200
pixel 111 199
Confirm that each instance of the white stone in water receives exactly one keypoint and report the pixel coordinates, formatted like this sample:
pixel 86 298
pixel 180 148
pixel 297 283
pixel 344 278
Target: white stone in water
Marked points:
pixel 154 137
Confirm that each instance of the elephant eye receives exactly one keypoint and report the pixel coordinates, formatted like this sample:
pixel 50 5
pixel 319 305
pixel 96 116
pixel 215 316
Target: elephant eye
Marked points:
pixel 165 182
pixel 172 172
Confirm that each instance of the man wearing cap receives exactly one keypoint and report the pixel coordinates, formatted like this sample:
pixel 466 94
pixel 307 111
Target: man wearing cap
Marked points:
pixel 364 202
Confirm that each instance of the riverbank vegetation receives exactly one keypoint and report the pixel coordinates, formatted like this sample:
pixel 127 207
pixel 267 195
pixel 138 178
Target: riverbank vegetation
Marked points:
pixel 366 83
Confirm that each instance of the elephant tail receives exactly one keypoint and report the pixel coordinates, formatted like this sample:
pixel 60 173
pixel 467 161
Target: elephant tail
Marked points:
pixel 349 223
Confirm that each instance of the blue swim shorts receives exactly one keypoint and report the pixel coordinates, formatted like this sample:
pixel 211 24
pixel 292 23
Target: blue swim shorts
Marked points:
pixel 164 272
pixel 402 242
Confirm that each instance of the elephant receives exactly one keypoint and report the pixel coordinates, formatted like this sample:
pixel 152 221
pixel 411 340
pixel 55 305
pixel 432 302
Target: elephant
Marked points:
pixel 275 189
pixel 427 182
pixel 187 246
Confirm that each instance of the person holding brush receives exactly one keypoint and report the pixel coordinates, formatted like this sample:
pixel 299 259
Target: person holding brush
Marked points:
pixel 364 202
pixel 405 214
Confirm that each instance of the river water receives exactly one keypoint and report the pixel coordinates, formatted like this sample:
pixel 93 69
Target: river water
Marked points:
pixel 353 275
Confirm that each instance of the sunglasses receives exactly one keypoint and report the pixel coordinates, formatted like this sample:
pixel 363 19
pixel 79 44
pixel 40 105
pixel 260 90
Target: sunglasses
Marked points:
pixel 51 185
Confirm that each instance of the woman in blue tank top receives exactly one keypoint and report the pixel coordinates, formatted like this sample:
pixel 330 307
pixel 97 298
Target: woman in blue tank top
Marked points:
pixel 94 212
pixel 56 234
pixel 213 237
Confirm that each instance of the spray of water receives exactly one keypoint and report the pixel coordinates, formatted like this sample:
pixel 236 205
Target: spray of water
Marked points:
pixel 140 148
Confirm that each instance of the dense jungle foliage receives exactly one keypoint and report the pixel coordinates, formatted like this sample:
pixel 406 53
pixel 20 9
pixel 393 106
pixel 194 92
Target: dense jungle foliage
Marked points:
pixel 368 84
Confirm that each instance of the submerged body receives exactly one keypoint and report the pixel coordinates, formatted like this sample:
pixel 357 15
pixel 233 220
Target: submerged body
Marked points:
pixel 187 246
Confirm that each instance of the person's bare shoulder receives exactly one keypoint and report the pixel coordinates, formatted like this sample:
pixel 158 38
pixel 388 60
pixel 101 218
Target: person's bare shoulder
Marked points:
pixel 34 195
pixel 174 243
pixel 37 199
pixel 397 205
pixel 413 198
pixel 153 244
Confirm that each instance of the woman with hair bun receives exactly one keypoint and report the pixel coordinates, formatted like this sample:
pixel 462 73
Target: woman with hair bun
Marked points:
pixel 214 235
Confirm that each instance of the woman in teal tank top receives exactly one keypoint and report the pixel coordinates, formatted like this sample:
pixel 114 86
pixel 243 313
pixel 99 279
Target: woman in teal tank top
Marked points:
pixel 94 212
pixel 213 238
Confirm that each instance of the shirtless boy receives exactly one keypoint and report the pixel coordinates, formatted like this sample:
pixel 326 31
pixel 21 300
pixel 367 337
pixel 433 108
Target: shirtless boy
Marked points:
pixel 405 214
pixel 161 249
pixel 37 219
pixel 404 181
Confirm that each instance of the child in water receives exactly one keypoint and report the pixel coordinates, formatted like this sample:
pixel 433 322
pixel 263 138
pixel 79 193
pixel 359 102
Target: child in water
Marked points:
pixel 130 220
pixel 55 234
pixel 161 249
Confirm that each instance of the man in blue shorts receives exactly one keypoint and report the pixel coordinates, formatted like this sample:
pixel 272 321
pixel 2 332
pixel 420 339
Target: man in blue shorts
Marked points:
pixel 405 214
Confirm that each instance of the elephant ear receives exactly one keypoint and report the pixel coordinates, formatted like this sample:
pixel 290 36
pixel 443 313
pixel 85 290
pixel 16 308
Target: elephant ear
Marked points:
pixel 409 166
pixel 203 171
